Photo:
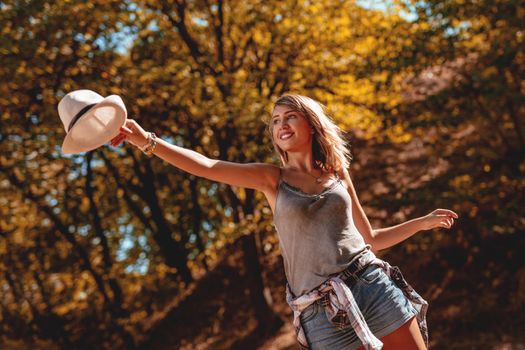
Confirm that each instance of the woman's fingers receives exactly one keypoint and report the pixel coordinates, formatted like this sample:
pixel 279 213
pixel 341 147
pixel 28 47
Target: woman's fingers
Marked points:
pixel 447 222
pixel 446 212
pixel 441 218
pixel 126 130
pixel 118 139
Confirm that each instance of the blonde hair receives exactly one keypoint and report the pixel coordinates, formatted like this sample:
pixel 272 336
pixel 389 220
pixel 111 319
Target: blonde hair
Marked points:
pixel 329 149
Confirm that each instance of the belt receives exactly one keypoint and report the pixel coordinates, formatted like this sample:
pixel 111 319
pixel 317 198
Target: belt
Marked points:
pixel 358 265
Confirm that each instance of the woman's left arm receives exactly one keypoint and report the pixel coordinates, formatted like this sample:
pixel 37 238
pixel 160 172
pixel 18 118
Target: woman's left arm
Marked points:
pixel 386 237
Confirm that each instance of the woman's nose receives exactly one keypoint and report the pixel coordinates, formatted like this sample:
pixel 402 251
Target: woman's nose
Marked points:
pixel 284 123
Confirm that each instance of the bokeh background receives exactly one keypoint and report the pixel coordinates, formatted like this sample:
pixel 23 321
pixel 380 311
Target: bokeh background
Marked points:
pixel 113 250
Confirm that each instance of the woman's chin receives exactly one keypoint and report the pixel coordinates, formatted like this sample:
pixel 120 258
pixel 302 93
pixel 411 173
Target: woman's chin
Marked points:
pixel 294 149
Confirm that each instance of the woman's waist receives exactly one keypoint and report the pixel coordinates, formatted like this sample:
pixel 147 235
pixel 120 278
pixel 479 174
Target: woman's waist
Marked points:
pixel 308 275
pixel 358 263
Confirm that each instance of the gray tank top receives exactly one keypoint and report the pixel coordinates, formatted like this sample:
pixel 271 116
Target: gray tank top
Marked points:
pixel 317 235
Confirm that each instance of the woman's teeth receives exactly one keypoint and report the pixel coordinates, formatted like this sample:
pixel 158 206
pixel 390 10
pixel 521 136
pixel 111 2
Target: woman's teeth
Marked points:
pixel 286 136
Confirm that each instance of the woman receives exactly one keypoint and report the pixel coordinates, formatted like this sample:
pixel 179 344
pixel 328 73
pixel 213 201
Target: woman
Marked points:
pixel 342 295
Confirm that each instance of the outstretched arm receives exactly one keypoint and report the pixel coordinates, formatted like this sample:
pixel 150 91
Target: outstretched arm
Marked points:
pixel 386 237
pixel 249 175
pixel 389 236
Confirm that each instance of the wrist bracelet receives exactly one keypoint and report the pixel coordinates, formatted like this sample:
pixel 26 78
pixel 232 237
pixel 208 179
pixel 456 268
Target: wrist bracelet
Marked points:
pixel 149 148
pixel 151 145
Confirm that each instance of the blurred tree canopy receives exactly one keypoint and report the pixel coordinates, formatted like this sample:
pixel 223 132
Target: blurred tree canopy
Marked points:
pixel 93 244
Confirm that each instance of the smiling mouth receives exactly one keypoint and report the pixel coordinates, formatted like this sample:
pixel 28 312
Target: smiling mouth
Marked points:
pixel 286 136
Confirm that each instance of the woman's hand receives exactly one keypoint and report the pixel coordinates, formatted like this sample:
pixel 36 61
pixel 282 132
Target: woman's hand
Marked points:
pixel 132 132
pixel 439 218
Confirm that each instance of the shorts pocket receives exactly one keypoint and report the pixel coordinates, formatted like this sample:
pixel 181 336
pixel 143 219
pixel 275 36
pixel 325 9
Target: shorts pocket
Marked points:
pixel 310 312
pixel 371 274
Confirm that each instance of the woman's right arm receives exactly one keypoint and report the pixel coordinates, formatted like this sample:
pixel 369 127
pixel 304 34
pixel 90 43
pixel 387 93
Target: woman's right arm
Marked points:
pixel 259 176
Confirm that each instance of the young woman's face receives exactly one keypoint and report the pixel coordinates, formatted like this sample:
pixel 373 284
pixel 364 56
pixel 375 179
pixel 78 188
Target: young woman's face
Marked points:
pixel 290 129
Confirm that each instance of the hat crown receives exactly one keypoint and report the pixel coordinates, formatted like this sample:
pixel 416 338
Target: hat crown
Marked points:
pixel 74 102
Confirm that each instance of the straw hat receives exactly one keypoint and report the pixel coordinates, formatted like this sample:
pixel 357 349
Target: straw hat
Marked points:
pixel 90 120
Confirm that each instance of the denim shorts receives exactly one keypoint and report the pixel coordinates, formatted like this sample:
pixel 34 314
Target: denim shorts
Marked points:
pixel 382 303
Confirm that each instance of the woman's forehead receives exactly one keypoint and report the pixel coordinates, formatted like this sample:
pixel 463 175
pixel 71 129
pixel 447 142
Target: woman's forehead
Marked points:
pixel 281 110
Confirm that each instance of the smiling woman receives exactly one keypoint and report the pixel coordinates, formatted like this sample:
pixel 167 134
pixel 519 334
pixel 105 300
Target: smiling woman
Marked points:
pixel 326 240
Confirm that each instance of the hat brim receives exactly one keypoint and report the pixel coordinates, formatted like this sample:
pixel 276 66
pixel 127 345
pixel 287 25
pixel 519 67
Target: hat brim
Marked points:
pixel 97 127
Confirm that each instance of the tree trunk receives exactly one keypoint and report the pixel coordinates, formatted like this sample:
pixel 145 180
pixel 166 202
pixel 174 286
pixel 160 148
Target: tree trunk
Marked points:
pixel 268 320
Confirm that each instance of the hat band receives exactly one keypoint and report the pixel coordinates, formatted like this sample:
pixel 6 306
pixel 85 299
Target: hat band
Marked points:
pixel 79 114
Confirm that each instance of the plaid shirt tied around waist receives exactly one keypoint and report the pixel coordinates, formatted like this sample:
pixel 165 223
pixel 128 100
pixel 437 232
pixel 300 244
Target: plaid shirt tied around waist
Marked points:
pixel 341 308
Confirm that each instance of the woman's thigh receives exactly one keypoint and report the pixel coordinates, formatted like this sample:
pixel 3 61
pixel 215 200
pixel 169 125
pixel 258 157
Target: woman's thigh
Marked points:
pixel 408 337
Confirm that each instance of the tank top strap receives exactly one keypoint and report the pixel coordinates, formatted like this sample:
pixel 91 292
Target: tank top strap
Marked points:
pixel 338 177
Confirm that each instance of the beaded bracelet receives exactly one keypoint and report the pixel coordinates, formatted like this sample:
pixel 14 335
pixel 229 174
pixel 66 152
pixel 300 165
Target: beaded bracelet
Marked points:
pixel 149 148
